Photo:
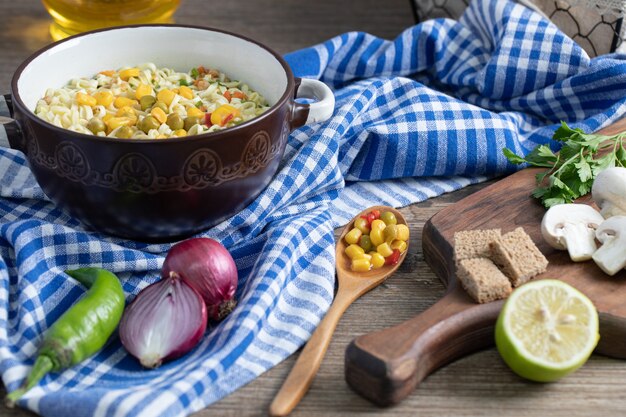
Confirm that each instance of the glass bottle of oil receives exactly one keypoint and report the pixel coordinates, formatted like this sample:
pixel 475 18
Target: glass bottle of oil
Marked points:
pixel 75 16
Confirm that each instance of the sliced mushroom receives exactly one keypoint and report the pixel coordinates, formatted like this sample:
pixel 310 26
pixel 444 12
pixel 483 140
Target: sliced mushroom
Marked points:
pixel 572 227
pixel 611 256
pixel 609 191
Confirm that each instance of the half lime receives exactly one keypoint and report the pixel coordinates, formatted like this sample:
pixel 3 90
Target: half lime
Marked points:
pixel 546 330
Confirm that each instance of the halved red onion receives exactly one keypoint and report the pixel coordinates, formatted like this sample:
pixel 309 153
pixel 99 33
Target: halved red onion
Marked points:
pixel 208 267
pixel 166 320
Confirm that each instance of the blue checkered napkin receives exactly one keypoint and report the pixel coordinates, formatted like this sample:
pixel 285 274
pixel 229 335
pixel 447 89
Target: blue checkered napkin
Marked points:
pixel 416 117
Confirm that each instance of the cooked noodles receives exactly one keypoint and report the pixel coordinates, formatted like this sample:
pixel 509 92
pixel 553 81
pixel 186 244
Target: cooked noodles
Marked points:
pixel 146 102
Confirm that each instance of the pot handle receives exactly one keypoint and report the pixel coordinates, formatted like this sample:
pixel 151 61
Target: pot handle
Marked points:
pixel 6 106
pixel 318 111
pixel 10 133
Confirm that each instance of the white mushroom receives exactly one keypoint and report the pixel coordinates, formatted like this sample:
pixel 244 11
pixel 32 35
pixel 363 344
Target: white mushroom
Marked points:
pixel 611 256
pixel 572 227
pixel 609 191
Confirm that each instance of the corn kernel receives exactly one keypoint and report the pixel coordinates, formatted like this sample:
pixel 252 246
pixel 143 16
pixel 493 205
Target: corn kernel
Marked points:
pixel 360 265
pixel 377 260
pixel 194 112
pixel 223 114
pixel 129 72
pixel 403 232
pixel 162 136
pixel 126 111
pixel 364 256
pixel 143 90
pixel 378 224
pixel 106 117
pixel 377 236
pixel 353 251
pixel 185 92
pixel 115 122
pixel 123 102
pixel 362 224
pixel 180 132
pixel 399 244
pixel 86 99
pixel 104 98
pixel 166 96
pixel 159 114
pixel 384 249
pixel 353 236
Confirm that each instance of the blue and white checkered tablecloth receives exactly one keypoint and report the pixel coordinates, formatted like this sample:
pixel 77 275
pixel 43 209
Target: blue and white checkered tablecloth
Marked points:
pixel 424 114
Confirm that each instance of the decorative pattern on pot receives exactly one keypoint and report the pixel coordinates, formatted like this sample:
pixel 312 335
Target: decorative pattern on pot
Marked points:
pixel 71 161
pixel 203 168
pixel 256 154
pixel 135 172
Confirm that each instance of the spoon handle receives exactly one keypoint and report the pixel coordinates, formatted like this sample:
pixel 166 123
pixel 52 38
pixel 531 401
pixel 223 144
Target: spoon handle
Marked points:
pixel 309 361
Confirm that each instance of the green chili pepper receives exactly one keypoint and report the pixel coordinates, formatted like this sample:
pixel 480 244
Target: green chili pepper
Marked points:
pixel 81 331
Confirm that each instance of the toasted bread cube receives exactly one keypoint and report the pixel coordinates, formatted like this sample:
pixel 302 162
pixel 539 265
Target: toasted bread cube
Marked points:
pixel 469 244
pixel 482 280
pixel 517 256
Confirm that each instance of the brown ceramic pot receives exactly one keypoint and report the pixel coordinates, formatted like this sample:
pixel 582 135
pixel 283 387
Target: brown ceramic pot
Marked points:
pixel 159 189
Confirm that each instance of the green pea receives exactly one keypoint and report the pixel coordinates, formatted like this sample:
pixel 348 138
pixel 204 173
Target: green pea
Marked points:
pixel 175 122
pixel 96 125
pixel 124 132
pixel 190 121
pixel 162 106
pixel 147 102
pixel 81 331
pixel 148 123
pixel 388 217
pixel 366 243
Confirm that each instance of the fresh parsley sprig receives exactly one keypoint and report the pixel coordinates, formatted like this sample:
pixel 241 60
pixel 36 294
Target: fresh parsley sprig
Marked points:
pixel 572 170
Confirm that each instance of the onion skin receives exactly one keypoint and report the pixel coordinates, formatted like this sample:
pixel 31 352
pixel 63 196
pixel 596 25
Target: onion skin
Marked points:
pixel 207 266
pixel 166 320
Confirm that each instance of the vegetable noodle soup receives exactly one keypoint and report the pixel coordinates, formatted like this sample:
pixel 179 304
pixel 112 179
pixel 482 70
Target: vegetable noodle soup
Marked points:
pixel 146 102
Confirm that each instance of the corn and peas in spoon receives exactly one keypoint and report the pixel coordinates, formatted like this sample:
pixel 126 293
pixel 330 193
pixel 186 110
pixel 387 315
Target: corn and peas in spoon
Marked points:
pixel 375 240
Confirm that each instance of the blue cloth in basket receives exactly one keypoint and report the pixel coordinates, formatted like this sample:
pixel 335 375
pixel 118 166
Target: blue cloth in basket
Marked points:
pixel 416 117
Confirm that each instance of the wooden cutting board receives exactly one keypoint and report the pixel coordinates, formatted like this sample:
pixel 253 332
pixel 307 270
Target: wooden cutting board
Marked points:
pixel 387 365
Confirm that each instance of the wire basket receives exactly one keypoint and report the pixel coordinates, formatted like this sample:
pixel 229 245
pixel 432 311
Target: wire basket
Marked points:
pixel 596 25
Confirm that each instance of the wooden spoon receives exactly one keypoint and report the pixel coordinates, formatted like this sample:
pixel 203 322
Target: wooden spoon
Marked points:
pixel 351 286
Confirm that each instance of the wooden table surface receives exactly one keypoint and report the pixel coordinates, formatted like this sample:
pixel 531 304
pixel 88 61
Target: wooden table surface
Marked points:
pixel 476 385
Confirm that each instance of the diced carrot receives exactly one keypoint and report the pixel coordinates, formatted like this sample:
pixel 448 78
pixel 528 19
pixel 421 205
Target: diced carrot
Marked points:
pixel 227 95
pixel 108 73
pixel 240 95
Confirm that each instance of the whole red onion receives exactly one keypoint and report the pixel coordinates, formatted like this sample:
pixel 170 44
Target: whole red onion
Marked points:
pixel 166 320
pixel 207 266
